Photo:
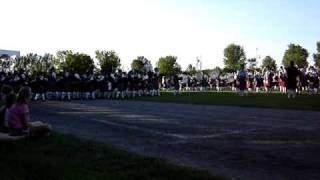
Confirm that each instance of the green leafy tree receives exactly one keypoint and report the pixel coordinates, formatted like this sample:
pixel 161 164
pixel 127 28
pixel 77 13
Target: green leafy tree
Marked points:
pixel 30 62
pixel 297 54
pixel 252 63
pixel 47 62
pixel 108 60
pixel 234 56
pixel 59 61
pixel 6 62
pixel 79 62
pixel 168 66
pixel 269 62
pixel 141 64
pixel 316 56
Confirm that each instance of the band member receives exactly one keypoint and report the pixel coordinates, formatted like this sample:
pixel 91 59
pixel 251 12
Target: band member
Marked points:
pixel 292 74
pixel 250 82
pixel 282 74
pixel 157 82
pixel 66 86
pixel 175 85
pixel 40 87
pixel 313 81
pixel 258 81
pixel 241 79
pixel 268 78
pixel 52 86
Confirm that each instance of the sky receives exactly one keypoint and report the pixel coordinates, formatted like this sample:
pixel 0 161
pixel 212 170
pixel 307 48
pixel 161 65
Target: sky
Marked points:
pixel 155 28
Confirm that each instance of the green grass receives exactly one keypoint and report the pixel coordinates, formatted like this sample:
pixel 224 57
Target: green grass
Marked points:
pixel 263 100
pixel 62 157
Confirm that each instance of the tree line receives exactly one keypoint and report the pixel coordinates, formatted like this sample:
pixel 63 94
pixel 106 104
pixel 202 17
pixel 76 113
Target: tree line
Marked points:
pixel 234 56
pixel 109 61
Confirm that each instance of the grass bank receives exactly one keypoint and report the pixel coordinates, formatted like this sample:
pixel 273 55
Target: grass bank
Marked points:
pixel 65 157
pixel 263 100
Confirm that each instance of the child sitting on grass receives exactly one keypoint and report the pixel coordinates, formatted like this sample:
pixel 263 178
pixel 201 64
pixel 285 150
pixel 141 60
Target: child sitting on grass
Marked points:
pixel 19 117
pixel 10 100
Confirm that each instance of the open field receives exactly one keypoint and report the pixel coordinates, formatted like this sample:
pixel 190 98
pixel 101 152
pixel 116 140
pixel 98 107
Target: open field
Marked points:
pixel 274 100
pixel 233 142
pixel 64 157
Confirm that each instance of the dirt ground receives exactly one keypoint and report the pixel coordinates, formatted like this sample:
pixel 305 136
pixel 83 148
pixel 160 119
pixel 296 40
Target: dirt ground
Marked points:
pixel 239 143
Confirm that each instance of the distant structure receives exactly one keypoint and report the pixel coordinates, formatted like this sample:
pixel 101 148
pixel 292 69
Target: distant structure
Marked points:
pixel 199 63
pixel 7 54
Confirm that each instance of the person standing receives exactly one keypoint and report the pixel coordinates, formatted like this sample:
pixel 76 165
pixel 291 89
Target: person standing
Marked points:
pixel 292 74
pixel 242 79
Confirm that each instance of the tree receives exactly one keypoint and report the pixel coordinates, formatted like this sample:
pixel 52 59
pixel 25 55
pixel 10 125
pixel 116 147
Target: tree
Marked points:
pixel 109 61
pixel 141 64
pixel 234 56
pixel 297 54
pixel 168 66
pixel 59 61
pixel 191 70
pixel 316 56
pixel 47 62
pixel 41 63
pixel 79 62
pixel 30 62
pixel 252 63
pixel 270 63
pixel 6 62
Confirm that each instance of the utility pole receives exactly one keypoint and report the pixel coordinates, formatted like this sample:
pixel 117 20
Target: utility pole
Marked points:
pixel 257 56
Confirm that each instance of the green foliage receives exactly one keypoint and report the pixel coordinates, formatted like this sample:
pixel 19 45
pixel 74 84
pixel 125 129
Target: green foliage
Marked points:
pixel 140 64
pixel 252 63
pixel 79 62
pixel 227 70
pixel 47 62
pixel 191 70
pixel 168 66
pixel 34 63
pixel 109 61
pixel 274 100
pixel 6 62
pixel 316 56
pixel 270 63
pixel 297 54
pixel 59 60
pixel 234 56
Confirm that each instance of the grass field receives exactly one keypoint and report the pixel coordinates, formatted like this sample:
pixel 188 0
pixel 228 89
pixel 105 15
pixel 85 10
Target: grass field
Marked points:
pixel 63 157
pixel 275 100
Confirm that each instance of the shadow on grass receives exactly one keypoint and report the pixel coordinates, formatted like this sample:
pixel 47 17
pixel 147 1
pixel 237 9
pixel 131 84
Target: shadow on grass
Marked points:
pixel 65 157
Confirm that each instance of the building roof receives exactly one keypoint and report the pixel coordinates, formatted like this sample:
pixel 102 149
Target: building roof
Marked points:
pixel 9 53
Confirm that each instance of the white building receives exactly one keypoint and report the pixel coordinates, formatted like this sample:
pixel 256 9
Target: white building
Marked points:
pixel 9 53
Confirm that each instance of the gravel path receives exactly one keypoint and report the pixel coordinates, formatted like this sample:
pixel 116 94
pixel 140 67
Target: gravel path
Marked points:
pixel 240 143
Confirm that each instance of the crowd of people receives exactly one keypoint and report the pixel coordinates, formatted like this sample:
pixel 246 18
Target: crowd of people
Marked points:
pixel 246 80
pixel 19 87
pixel 76 86
pixel 69 85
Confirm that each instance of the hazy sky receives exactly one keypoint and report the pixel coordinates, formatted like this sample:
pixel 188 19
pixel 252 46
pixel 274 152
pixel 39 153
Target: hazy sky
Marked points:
pixel 155 28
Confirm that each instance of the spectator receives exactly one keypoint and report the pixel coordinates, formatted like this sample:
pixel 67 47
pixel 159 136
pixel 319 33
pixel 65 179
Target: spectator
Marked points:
pixel 5 91
pixel 19 117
